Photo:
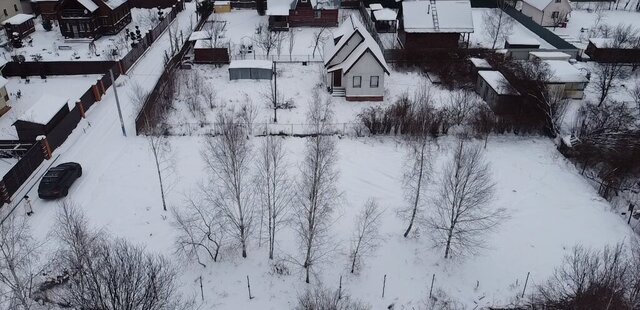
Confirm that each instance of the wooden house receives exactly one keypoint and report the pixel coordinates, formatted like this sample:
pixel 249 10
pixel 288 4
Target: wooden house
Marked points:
pixel 440 24
pixel 9 8
pixel 22 24
pixel 92 18
pixel 497 92
pixel 355 63
pixel 607 51
pixel 41 118
pixel 284 14
pixel 46 8
pixel 547 13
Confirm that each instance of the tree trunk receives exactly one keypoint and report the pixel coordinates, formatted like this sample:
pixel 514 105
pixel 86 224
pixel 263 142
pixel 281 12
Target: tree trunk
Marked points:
pixel 417 199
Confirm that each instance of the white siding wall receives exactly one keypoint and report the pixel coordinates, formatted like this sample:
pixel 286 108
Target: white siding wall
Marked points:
pixel 366 67
pixel 547 19
pixel 9 6
pixel 3 94
pixel 349 46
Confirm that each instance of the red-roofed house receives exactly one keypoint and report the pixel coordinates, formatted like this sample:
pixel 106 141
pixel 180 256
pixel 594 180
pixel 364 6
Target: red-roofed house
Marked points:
pixel 92 18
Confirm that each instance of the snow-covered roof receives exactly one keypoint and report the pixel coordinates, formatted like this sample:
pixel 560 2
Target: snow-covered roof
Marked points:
pixel 199 35
pixel 611 43
pixel 538 4
pixel 251 63
pixel 349 27
pixel 279 7
pixel 114 4
pixel 551 55
pixel 221 2
pixel 480 63
pixel 522 40
pixel 454 16
pixel 385 14
pixel 3 82
pixel 44 109
pixel 564 72
pixel 206 43
pixel 498 82
pixel 89 5
pixel 375 6
pixel 17 19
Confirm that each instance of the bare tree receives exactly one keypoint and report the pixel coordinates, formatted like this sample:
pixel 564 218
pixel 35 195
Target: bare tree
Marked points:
pixel 274 186
pixel 461 217
pixel 19 253
pixel 201 231
pixel 292 42
pixel 248 114
pixel 280 37
pixel 366 235
pixel 461 106
pixel 606 74
pixel 215 29
pixel 110 274
pixel 320 298
pixel 228 158
pixel 317 192
pixel 497 23
pixel 318 40
pixel 265 39
pixel 161 150
pixel 417 166
pixel 634 92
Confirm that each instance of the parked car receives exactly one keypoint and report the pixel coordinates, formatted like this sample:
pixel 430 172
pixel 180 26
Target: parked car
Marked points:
pixel 57 181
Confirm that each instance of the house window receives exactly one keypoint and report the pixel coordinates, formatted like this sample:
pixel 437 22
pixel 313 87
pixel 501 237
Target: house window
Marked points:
pixel 305 1
pixel 374 81
pixel 555 14
pixel 15 6
pixel 317 13
pixel 357 81
pixel 558 1
pixel 5 12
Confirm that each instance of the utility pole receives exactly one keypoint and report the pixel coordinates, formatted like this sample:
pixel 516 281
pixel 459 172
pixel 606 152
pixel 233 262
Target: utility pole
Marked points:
pixel 631 207
pixel 275 92
pixel 115 91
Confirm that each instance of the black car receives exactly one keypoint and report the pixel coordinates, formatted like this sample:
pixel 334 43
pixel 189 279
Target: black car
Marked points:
pixel 56 182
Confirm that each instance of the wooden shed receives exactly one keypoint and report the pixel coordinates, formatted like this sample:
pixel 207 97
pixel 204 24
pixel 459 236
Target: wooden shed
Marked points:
pixel 497 92
pixel 22 24
pixel 221 7
pixel 521 42
pixel 251 70
pixel 41 118
pixel 605 50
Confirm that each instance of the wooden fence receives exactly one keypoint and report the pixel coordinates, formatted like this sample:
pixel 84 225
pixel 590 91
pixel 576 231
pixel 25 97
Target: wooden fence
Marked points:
pixel 41 150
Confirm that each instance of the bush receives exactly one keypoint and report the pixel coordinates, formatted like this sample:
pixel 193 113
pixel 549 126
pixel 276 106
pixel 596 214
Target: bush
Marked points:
pixel 46 24
pixel 319 298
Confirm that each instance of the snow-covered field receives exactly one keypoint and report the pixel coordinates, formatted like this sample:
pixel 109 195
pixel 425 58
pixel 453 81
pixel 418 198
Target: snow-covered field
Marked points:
pixel 71 87
pixel 550 206
pixel 295 82
pixel 479 37
pixel 47 43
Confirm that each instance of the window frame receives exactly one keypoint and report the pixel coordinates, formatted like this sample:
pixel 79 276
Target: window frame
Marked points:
pixel 353 81
pixel 377 79
pixel 555 14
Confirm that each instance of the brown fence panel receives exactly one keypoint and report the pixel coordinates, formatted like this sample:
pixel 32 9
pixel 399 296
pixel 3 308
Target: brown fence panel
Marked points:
pixel 56 68
pixel 88 99
pixel 61 132
pixel 23 169
pixel 151 4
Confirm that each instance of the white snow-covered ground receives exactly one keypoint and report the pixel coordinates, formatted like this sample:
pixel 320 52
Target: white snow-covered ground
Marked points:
pixel 551 208
pixel 582 21
pixel 46 43
pixel 71 87
pixel 479 37
pixel 295 82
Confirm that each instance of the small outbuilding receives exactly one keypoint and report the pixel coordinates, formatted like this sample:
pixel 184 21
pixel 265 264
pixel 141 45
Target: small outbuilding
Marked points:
pixel 497 92
pixel 547 13
pixel 22 24
pixel 251 70
pixel 222 6
pixel 566 79
pixel 607 51
pixel 521 42
pixel 549 56
pixel 41 118
pixel 479 64
pixel 385 19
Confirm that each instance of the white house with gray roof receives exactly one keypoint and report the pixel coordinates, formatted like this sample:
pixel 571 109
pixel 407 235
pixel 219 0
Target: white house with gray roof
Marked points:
pixel 355 63
pixel 547 13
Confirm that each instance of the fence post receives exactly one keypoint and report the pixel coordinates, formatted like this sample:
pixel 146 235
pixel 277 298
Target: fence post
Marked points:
pixel 80 108
pixel 101 87
pixel 120 67
pixel 4 194
pixel 96 92
pixel 46 148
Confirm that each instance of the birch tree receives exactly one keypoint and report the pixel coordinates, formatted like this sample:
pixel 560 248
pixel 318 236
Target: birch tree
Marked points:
pixel 317 192
pixel 274 186
pixel 18 259
pixel 292 42
pixel 366 234
pixel 228 159
pixel 417 165
pixel 161 150
pixel 461 216
pixel 498 24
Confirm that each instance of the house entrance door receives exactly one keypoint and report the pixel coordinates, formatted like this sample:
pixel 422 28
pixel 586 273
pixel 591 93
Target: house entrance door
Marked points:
pixel 337 78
